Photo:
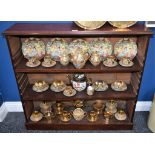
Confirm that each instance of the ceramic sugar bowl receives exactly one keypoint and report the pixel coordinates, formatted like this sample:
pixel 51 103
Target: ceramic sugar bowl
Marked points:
pixel 125 48
pixel 95 59
pixel 78 114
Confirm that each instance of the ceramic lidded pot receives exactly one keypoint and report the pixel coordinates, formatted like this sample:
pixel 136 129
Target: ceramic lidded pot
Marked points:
pixel 102 46
pixel 33 47
pixel 55 47
pixel 125 48
pixel 79 81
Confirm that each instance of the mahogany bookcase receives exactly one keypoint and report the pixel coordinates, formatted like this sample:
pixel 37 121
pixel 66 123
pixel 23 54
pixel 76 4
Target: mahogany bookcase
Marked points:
pixel 26 76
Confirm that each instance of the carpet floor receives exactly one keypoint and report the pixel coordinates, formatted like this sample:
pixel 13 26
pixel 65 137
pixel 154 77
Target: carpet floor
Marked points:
pixel 14 123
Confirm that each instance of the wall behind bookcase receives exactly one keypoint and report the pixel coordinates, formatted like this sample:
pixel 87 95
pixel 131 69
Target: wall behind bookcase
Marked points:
pixel 7 79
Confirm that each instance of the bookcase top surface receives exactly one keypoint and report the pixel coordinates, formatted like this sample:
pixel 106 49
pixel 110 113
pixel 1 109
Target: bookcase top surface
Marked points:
pixel 71 29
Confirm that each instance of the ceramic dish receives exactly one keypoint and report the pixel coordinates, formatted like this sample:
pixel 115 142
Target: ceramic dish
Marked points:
pixel 58 86
pixel 90 25
pixel 120 115
pixel 125 48
pixel 56 47
pixel 100 86
pixel 125 62
pixel 102 46
pixel 33 47
pixel 110 61
pixel 69 91
pixel 40 86
pixel 122 24
pixel 36 116
pixel 119 86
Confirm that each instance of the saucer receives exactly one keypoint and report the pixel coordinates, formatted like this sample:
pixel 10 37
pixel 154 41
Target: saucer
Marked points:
pixel 36 116
pixel 30 64
pixel 120 116
pixel 69 94
pixel 110 65
pixel 51 64
pixel 130 64
pixel 100 86
pixel 113 111
pixel 38 90
pixel 115 86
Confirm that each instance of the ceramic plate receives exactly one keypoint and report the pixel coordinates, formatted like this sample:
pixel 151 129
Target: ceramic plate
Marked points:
pixel 33 47
pixel 102 46
pixel 122 24
pixel 90 25
pixel 56 47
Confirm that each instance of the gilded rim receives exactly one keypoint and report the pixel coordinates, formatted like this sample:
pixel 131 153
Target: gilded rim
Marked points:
pixel 90 25
pixel 122 24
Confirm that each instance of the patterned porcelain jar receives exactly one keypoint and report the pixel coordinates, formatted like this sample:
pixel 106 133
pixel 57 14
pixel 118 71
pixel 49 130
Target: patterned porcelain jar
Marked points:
pixel 125 48
pixel 56 47
pixel 102 46
pixel 33 48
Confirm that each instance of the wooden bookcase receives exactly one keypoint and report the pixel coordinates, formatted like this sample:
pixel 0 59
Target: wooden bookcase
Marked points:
pixel 26 76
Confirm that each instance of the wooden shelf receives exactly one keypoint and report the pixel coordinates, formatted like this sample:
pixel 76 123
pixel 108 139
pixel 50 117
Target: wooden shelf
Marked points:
pixel 50 95
pixel 88 68
pixel 56 124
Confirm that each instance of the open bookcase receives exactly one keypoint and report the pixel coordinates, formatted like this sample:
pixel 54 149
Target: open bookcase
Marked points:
pixel 26 76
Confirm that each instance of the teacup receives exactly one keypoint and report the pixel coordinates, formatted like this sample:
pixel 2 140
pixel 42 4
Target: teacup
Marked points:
pixel 66 116
pixel 98 106
pixel 47 59
pixel 92 116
